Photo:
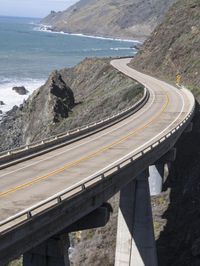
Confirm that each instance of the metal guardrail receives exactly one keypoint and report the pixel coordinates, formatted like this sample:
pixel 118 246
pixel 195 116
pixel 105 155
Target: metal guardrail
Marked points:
pixel 81 186
pixel 63 138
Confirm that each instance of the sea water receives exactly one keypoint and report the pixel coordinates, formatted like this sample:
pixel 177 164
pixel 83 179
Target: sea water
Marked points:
pixel 29 52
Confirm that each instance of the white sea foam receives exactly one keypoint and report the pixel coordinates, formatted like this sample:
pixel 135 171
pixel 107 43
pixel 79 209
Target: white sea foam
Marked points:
pixel 48 28
pixel 107 49
pixel 11 98
pixel 121 48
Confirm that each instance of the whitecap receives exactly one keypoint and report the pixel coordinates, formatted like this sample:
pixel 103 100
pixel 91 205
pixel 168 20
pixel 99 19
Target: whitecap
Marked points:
pixel 120 48
pixel 11 98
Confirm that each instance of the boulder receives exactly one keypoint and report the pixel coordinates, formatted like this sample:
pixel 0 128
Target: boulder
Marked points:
pixel 21 90
pixel 2 103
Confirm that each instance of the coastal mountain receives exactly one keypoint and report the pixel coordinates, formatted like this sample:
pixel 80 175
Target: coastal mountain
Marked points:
pixel 110 18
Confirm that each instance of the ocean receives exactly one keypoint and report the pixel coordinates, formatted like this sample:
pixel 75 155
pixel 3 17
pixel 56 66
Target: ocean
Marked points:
pixel 29 53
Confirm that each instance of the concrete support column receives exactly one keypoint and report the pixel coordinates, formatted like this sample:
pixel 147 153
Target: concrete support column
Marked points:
pixel 158 171
pixel 156 177
pixel 135 235
pixel 53 252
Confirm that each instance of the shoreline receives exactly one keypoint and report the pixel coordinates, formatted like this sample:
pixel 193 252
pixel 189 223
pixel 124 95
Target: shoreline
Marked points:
pixel 48 28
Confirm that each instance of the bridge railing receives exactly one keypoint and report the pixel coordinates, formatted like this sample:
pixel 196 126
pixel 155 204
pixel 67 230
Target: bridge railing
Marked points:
pixel 91 180
pixel 31 150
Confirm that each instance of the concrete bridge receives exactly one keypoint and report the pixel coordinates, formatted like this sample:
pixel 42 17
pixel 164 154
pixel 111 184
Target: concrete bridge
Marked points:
pixel 61 184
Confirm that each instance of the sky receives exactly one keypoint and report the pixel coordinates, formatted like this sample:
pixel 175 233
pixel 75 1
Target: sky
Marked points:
pixel 32 8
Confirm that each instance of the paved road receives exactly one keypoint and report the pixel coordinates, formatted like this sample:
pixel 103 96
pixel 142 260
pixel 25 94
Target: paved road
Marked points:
pixel 32 181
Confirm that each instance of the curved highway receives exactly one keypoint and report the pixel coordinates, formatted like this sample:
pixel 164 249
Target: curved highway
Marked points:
pixel 27 183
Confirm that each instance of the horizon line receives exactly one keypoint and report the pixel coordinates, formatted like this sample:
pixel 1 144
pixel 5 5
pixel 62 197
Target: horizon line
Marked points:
pixel 17 16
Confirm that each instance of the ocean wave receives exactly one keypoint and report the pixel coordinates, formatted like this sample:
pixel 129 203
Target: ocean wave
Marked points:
pixel 108 49
pixel 121 48
pixel 10 97
pixel 48 28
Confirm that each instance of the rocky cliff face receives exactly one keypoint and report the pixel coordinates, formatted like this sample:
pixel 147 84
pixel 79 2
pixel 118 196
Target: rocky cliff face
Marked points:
pixel 70 98
pixel 111 18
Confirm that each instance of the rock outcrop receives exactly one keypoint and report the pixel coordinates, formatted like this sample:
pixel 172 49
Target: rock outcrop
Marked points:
pixel 61 97
pixel 110 18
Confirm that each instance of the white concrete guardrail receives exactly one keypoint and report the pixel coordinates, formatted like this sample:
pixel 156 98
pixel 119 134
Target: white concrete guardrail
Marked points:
pixel 135 155
pixel 11 157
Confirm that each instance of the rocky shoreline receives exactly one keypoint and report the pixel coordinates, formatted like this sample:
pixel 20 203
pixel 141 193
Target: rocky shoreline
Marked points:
pixel 139 40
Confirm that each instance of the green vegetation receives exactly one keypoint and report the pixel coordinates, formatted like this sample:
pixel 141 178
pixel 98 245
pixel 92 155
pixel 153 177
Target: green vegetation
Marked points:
pixel 100 90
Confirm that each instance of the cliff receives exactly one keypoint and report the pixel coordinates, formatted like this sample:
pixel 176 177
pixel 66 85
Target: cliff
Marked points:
pixel 133 19
pixel 71 97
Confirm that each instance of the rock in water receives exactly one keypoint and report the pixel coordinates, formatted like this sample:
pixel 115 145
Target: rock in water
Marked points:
pixel 2 103
pixel 21 90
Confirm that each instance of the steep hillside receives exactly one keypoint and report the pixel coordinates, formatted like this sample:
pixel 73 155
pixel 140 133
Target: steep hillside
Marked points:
pixel 70 98
pixel 174 46
pixel 111 18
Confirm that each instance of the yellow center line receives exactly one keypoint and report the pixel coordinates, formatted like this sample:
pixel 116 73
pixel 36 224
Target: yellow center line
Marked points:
pixel 74 163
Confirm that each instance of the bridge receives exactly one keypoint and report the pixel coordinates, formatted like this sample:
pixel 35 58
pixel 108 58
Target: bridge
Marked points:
pixel 60 185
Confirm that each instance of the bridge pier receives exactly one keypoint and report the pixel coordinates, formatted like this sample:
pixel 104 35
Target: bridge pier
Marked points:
pixel 157 172
pixel 135 235
pixel 53 252
pixel 156 176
